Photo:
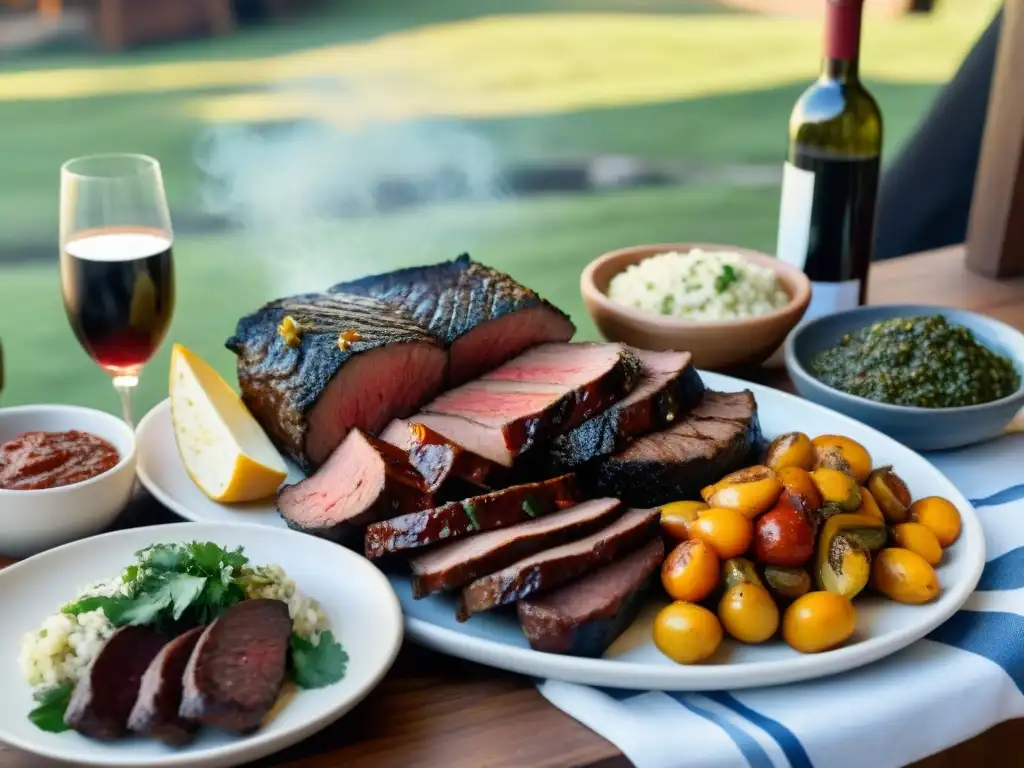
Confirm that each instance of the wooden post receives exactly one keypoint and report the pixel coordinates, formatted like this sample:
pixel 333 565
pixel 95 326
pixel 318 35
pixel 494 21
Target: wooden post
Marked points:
pixel 995 232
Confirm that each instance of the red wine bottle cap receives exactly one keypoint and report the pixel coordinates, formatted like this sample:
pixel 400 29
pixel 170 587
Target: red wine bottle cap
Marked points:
pixel 842 29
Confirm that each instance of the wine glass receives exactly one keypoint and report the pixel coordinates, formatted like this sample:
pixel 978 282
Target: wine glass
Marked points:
pixel 116 265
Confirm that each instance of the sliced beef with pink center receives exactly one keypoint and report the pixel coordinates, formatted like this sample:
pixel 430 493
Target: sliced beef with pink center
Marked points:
pixel 485 316
pixel 364 480
pixel 439 460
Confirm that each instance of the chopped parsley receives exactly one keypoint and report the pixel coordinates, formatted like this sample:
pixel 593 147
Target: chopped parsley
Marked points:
pixel 470 510
pixel 529 507
pixel 317 665
pixel 726 278
pixel 51 704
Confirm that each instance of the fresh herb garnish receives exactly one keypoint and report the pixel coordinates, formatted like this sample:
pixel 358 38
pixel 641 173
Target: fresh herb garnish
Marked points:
pixel 727 278
pixel 320 665
pixel 51 703
pixel 471 514
pixel 529 507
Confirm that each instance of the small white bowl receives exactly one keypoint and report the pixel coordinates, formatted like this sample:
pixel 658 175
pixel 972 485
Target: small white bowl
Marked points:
pixel 31 521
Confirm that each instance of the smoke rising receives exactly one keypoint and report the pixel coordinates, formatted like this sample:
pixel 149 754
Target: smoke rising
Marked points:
pixel 301 194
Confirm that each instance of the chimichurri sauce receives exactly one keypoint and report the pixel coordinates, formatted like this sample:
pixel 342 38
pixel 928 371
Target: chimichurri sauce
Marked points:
pixel 918 361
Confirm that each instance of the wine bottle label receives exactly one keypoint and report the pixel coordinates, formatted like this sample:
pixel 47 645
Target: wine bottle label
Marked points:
pixel 829 298
pixel 795 215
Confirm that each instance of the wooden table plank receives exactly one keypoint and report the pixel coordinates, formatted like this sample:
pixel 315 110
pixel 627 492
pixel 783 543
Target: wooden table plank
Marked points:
pixel 432 710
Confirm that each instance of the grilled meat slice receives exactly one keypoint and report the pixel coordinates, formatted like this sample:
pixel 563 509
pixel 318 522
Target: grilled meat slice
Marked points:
pixel 363 481
pixel 553 567
pixel 106 691
pixel 155 713
pixel 669 387
pixel 439 460
pixel 238 666
pixel 357 362
pixel 712 440
pixel 545 392
pixel 474 515
pixel 454 565
pixel 584 617
pixel 483 314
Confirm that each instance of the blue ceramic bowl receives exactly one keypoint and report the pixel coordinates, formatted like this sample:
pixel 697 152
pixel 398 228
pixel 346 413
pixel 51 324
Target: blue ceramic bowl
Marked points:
pixel 923 429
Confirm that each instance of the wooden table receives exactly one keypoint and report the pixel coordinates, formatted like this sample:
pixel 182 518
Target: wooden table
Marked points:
pixel 432 710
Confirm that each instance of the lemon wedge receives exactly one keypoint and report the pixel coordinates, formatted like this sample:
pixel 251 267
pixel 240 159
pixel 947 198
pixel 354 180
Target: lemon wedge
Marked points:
pixel 225 451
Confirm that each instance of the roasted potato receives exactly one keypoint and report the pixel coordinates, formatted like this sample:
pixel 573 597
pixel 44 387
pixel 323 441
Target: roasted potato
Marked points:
pixel 843 454
pixel 845 544
pixel 748 613
pixel 818 621
pixel 690 572
pixel 892 495
pixel 752 491
pixel 726 531
pixel 904 576
pixel 793 449
pixel 837 488
pixel 787 583
pixel 687 633
pixel 939 515
pixel 677 517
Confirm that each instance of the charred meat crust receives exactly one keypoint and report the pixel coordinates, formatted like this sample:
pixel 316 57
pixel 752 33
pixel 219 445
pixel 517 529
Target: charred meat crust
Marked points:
pixel 479 513
pixel 584 617
pixel 451 298
pixel 717 437
pixel 646 409
pixel 238 666
pixel 105 694
pixel 554 567
pixel 454 565
pixel 155 713
pixel 439 459
pixel 280 383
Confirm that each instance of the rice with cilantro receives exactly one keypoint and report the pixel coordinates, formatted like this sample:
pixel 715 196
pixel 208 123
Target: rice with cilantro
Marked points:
pixel 698 285
pixel 66 642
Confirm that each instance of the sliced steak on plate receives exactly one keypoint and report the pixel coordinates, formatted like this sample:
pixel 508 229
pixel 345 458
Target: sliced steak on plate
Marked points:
pixel 551 568
pixel 469 516
pixel 439 460
pixel 308 396
pixel 364 480
pixel 538 395
pixel 106 691
pixel 715 438
pixel 668 388
pixel 238 666
pixel 155 713
pixel 584 617
pixel 450 566
pixel 484 315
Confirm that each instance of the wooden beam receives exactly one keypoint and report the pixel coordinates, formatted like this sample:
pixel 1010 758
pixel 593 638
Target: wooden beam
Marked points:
pixel 995 232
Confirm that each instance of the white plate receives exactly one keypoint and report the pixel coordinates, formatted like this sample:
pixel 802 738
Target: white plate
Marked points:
pixel 883 627
pixel 363 611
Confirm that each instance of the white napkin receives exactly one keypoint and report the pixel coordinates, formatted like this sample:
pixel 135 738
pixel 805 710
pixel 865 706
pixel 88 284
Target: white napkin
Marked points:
pixel 967 676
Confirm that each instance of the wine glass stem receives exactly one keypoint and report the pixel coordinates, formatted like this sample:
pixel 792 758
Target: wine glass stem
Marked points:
pixel 125 386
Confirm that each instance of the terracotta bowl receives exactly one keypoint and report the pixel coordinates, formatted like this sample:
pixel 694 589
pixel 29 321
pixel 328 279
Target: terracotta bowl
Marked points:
pixel 713 344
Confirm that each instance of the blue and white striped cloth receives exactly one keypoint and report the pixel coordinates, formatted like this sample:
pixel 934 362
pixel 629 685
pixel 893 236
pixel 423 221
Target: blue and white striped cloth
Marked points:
pixel 967 676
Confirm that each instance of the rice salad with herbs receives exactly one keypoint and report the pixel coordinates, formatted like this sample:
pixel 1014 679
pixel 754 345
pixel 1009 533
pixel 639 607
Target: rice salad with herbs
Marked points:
pixel 698 285
pixel 169 584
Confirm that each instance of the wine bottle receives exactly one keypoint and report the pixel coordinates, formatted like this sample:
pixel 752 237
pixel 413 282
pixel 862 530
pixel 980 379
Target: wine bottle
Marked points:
pixel 830 179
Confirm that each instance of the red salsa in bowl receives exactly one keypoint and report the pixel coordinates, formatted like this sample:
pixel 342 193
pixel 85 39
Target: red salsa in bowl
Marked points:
pixel 37 460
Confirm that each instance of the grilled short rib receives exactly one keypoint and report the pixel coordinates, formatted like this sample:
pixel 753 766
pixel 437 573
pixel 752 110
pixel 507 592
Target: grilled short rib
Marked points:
pixel 450 566
pixel 469 516
pixel 484 315
pixel 584 617
pixel 439 460
pixel 238 666
pixel 106 691
pixel 363 481
pixel 715 438
pixel 544 392
pixel 155 713
pixel 554 567
pixel 668 388
pixel 309 395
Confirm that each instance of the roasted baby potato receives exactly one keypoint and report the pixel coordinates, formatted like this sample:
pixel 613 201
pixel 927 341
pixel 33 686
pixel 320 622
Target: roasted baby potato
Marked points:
pixel 752 491
pixel 892 495
pixel 798 490
pixel 843 454
pixel 792 449
pixel 787 583
pixel 687 633
pixel 940 516
pixel 818 621
pixel 920 539
pixel 868 505
pixel 726 531
pixel 783 536
pixel 837 488
pixel 739 570
pixel 690 572
pixel 677 517
pixel 748 613
pixel 845 544
pixel 904 576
